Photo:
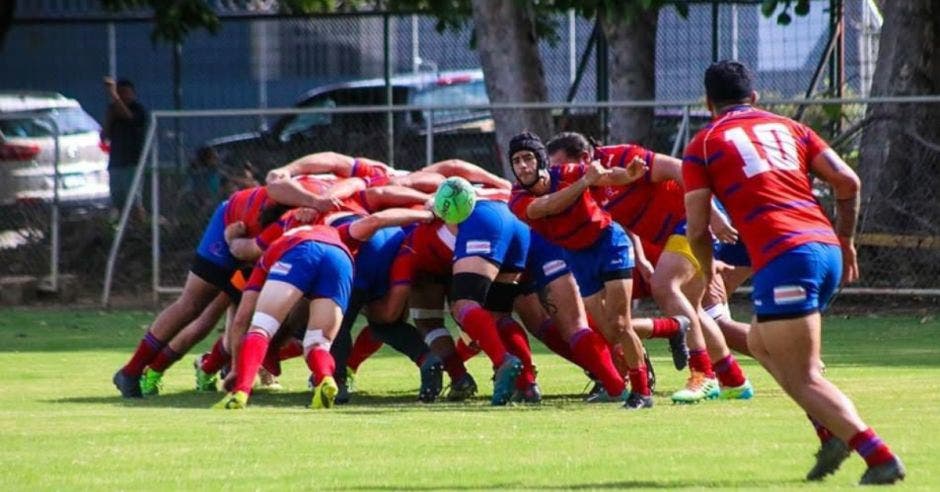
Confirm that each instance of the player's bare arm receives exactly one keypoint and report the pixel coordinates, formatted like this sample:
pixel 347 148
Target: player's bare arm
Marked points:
pixel 698 209
pixel 364 228
pixel 623 176
pixel 469 171
pixel 666 167
pixel 846 187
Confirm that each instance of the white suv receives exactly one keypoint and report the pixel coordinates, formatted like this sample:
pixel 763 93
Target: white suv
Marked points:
pixel 27 153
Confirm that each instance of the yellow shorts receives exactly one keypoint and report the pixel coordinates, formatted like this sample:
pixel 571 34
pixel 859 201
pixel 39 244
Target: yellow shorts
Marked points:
pixel 679 244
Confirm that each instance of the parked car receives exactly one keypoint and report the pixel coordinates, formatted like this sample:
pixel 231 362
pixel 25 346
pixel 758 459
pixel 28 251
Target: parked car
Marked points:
pixel 27 153
pixel 461 133
pixel 457 133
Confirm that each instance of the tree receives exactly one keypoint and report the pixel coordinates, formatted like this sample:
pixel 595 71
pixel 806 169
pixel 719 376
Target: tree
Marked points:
pixel 899 159
pixel 509 52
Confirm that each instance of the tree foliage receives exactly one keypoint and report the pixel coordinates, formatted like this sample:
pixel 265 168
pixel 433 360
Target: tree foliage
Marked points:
pixel 769 7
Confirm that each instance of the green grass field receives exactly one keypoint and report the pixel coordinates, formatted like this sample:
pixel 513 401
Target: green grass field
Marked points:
pixel 63 426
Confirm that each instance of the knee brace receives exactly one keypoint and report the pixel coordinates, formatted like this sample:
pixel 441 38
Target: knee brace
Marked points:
pixel 470 286
pixel 501 296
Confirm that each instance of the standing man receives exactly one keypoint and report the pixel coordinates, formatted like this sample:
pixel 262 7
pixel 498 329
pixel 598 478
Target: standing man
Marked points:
pixel 758 164
pixel 125 125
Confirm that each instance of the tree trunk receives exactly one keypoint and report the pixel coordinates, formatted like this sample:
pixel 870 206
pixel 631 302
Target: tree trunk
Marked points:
pixel 632 46
pixel 508 45
pixel 899 155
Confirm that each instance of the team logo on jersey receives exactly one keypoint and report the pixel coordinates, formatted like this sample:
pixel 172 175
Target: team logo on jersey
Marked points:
pixel 478 247
pixel 552 267
pixel 789 294
pixel 281 268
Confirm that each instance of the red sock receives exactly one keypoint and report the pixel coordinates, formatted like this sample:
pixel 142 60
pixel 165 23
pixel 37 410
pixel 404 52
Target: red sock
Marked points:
pixel 147 349
pixel 465 351
pixel 548 335
pixel 216 358
pixel 365 345
pixel 293 348
pixel 321 363
pixel 517 343
pixel 589 348
pixel 454 367
pixel 164 359
pixel 700 362
pixel 254 346
pixel 729 372
pixel 664 327
pixel 639 383
pixel 871 447
pixel 616 355
pixel 480 325
pixel 821 431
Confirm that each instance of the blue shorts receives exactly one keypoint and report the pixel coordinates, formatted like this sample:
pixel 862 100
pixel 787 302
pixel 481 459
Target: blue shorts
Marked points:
pixel 733 254
pixel 609 258
pixel 545 263
pixel 492 232
pixel 798 282
pixel 319 270
pixel 212 247
pixel 374 262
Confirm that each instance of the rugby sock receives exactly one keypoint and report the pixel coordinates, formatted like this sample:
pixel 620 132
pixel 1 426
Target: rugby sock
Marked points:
pixel 549 336
pixel 871 447
pixel 822 432
pixel 165 359
pixel 619 360
pixel 517 343
pixel 293 348
pixel 454 367
pixel 700 362
pixel 480 325
pixel 212 362
pixel 639 382
pixel 592 353
pixel 147 349
pixel 365 345
pixel 254 347
pixel 664 327
pixel 729 372
pixel 321 363
pixel 466 351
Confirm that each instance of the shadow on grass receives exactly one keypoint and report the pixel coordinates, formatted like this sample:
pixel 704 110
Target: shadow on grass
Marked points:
pixel 360 403
pixel 623 484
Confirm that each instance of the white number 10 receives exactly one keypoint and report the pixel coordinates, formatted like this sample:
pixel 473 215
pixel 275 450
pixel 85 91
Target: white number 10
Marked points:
pixel 776 141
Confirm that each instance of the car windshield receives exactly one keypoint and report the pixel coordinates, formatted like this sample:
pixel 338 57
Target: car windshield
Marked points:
pixel 458 95
pixel 71 121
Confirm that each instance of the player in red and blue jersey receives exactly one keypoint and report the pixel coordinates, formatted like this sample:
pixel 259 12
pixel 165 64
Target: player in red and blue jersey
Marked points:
pixel 757 163
pixel 558 204
pixel 652 211
pixel 312 261
pixel 213 267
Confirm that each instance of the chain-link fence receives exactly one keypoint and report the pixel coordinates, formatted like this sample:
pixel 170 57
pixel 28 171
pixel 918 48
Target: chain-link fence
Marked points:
pixel 268 61
pixel 897 255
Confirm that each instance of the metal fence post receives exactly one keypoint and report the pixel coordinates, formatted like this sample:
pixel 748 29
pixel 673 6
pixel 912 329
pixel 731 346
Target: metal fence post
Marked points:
pixel 429 138
pixel 54 226
pixel 155 219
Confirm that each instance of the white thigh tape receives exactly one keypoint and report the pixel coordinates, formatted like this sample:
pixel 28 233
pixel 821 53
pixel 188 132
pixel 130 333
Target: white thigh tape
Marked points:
pixel 434 335
pixel 718 311
pixel 315 338
pixel 266 322
pixel 427 313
